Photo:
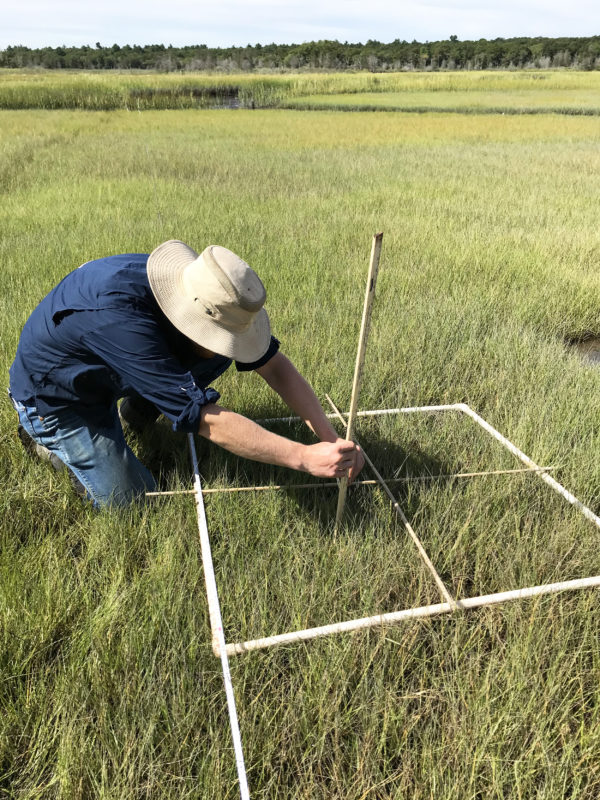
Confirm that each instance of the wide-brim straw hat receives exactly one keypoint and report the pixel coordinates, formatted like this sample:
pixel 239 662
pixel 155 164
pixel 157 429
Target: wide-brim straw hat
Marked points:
pixel 215 298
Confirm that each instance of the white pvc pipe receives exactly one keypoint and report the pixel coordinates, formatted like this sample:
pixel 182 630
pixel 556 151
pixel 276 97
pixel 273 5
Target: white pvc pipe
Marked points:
pixel 372 413
pixel 587 513
pixel 395 617
pixel 216 624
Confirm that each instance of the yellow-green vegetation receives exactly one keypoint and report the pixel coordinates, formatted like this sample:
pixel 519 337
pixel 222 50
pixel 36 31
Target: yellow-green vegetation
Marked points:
pixel 479 90
pixel 108 687
pixel 563 101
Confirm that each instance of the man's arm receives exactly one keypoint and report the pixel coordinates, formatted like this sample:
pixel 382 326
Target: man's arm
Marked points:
pixel 283 377
pixel 245 438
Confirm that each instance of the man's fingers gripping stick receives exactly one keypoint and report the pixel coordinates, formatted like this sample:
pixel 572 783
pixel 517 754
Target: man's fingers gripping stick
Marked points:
pixel 330 459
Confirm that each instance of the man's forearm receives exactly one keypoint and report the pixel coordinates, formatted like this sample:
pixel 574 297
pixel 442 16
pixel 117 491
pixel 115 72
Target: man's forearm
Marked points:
pixel 245 438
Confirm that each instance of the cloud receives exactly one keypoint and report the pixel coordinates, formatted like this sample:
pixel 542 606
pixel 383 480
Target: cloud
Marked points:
pixel 228 22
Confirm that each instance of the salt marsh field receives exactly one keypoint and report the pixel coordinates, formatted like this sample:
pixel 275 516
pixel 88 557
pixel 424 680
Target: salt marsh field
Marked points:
pixel 559 91
pixel 489 271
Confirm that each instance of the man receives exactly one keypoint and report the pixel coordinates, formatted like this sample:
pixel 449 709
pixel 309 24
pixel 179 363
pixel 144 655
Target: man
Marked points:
pixel 157 330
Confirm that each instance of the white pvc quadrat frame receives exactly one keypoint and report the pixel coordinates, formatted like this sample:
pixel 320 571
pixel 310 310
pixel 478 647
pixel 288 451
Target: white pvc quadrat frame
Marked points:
pixel 450 604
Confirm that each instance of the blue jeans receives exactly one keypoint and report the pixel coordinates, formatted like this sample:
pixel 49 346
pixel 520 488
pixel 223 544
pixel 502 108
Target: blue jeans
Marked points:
pixel 93 447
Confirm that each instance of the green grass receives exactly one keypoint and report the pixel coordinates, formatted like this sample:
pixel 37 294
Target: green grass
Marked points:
pixel 108 687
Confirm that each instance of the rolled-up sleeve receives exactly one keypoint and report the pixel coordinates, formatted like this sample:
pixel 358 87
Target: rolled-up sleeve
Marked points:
pixel 189 419
pixel 140 360
pixel 271 350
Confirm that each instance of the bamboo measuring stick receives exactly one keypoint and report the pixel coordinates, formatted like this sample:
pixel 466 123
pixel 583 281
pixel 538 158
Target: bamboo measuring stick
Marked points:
pixel 396 506
pixel 360 358
pixel 270 487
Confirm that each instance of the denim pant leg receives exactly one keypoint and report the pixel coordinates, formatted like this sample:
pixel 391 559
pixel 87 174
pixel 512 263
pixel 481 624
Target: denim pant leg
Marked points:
pixel 94 448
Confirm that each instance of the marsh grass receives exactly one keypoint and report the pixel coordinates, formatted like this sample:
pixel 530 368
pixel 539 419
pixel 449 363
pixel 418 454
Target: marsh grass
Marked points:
pixel 563 91
pixel 577 103
pixel 108 687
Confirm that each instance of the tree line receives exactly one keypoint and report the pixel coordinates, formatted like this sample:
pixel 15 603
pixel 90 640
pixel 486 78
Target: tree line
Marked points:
pixel 449 54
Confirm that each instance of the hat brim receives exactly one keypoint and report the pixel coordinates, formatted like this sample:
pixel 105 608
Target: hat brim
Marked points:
pixel 165 268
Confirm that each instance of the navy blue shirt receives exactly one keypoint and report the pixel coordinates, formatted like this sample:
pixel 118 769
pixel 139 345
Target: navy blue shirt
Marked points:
pixel 100 335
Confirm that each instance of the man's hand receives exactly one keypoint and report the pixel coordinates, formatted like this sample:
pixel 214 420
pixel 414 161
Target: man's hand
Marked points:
pixel 333 459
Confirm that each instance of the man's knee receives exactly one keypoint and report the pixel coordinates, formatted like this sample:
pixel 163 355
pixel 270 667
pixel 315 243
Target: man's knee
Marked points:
pixel 118 483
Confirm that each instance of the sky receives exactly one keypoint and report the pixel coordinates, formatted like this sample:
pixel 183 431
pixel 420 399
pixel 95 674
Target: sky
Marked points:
pixel 222 23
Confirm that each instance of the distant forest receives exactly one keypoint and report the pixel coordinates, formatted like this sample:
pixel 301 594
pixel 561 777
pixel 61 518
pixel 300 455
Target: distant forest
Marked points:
pixel 451 54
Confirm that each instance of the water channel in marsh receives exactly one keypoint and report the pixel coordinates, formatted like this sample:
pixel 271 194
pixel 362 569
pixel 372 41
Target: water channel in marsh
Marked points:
pixel 588 350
